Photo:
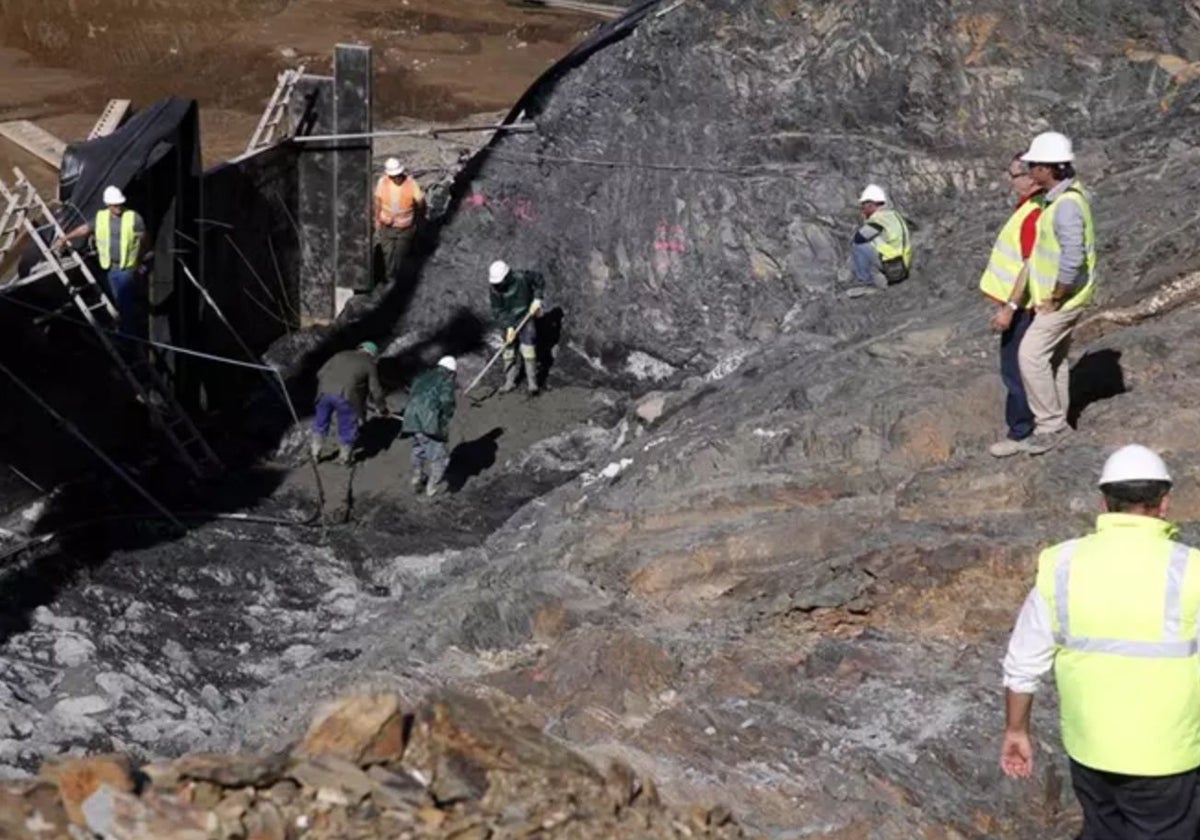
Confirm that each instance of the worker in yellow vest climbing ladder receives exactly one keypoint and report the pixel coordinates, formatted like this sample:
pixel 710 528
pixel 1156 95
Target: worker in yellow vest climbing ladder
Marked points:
pixel 882 251
pixel 1062 280
pixel 1115 614
pixel 398 203
pixel 120 248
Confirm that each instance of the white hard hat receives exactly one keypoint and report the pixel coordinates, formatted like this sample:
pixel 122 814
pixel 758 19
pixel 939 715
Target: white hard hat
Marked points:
pixel 393 167
pixel 1134 463
pixel 448 362
pixel 497 272
pixel 873 193
pixel 113 195
pixel 1049 147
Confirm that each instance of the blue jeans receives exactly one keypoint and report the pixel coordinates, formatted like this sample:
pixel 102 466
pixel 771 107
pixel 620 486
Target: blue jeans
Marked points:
pixel 1017 412
pixel 429 457
pixel 347 418
pixel 122 285
pixel 865 260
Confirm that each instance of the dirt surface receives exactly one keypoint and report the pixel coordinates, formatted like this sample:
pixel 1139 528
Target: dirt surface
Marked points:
pixel 436 60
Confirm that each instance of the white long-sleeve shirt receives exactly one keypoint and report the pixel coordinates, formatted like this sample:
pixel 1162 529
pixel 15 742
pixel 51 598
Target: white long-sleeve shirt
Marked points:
pixel 1031 647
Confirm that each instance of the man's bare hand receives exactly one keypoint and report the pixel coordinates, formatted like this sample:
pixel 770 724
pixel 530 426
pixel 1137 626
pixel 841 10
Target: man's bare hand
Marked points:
pixel 1016 756
pixel 1002 320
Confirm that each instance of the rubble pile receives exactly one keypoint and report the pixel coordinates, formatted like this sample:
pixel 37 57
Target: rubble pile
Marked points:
pixel 460 768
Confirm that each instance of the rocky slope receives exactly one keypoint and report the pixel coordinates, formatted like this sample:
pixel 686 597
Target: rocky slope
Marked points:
pixel 784 580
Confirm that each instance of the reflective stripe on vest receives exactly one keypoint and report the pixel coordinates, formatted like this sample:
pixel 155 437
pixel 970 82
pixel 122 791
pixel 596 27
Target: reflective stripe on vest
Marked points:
pixel 894 241
pixel 397 202
pixel 102 230
pixel 1170 647
pixel 1124 606
pixel 1043 265
pixel 1005 263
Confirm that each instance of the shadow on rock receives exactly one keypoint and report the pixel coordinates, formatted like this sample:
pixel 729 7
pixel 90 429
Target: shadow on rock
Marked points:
pixel 1096 376
pixel 472 457
pixel 549 334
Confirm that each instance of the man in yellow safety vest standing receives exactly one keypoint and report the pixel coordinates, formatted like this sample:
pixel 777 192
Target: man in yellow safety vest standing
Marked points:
pixel 1004 282
pixel 1062 280
pixel 398 202
pixel 1115 614
pixel 120 240
pixel 881 253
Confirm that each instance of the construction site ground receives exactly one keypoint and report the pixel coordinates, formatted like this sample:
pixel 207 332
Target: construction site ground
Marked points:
pixel 435 60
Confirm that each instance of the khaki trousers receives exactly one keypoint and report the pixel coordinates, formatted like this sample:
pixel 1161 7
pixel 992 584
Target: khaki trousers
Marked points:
pixel 1045 371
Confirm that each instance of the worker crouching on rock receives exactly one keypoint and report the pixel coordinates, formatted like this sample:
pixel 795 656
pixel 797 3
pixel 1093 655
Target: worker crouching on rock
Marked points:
pixel 427 420
pixel 343 383
pixel 881 253
pixel 516 302
pixel 1115 614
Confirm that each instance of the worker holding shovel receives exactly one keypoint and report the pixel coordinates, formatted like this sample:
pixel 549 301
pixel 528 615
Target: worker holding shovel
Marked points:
pixel 516 301
pixel 427 421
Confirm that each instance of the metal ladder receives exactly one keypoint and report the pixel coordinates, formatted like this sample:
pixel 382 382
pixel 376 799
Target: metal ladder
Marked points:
pixel 23 208
pixel 276 110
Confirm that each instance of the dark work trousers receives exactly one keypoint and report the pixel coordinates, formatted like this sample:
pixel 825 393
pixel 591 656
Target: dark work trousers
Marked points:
pixel 1017 412
pixel 1118 807
pixel 395 244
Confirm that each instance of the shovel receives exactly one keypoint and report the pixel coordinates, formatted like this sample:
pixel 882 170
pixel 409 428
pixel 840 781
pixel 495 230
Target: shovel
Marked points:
pixel 499 353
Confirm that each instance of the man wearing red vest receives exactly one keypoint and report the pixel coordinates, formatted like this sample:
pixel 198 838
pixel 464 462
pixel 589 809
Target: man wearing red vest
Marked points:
pixel 398 202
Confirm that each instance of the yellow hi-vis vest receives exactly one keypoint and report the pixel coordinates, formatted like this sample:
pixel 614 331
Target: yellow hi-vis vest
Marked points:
pixel 129 243
pixel 1005 263
pixel 1043 265
pixel 894 241
pixel 1123 604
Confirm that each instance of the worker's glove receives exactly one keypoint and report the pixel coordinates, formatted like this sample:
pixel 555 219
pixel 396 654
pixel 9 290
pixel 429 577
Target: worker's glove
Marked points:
pixel 510 335
pixel 535 308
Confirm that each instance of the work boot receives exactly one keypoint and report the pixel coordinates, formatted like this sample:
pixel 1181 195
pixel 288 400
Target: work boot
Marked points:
pixel 436 471
pixel 345 454
pixel 511 371
pixel 531 380
pixel 418 481
pixel 1041 444
pixel 316 445
pixel 1009 447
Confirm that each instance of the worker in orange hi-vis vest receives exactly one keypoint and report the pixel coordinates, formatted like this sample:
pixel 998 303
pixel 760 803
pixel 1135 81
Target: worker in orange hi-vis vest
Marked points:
pixel 398 202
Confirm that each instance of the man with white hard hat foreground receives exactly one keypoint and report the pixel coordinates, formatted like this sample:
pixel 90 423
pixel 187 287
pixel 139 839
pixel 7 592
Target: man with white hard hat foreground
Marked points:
pixel 1062 280
pixel 427 418
pixel 120 247
pixel 398 203
pixel 516 298
pixel 882 251
pixel 1115 614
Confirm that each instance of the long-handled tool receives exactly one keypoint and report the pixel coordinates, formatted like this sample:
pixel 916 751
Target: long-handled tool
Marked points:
pixel 499 353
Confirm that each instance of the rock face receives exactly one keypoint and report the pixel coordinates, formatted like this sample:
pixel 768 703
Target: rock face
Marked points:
pixel 784 580
pixel 690 190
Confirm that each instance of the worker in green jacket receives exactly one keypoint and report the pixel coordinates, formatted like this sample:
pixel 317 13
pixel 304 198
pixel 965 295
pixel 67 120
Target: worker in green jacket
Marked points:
pixel 516 299
pixel 427 420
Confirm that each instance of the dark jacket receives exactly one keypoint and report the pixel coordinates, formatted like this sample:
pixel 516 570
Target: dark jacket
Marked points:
pixel 430 404
pixel 351 374
pixel 511 299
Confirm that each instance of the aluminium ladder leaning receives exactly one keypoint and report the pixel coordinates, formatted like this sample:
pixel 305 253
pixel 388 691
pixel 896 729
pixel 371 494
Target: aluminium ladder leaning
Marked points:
pixel 23 209
pixel 276 110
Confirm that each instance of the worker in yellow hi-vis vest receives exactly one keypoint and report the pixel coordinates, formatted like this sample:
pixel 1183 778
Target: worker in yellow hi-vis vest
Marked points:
pixel 1062 281
pixel 120 245
pixel 1114 613
pixel 882 251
